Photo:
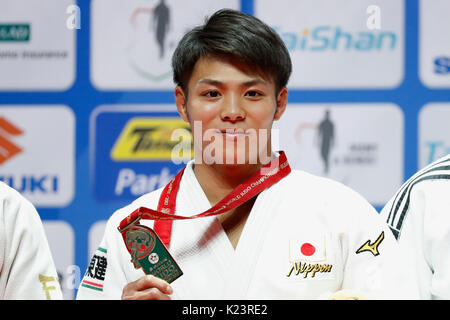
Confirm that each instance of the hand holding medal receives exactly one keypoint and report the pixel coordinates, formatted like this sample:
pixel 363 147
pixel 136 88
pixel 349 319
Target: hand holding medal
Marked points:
pixel 147 288
pixel 149 253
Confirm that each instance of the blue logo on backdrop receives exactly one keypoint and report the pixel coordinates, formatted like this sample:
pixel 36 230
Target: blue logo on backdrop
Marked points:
pixel 436 150
pixel 132 153
pixel 442 65
pixel 330 38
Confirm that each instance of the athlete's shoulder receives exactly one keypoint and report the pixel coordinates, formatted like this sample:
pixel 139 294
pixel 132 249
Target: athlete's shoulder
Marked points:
pixel 325 190
pixel 325 199
pixel 8 193
pixel 437 170
pixel 432 183
pixel 323 186
pixel 434 177
pixel 13 203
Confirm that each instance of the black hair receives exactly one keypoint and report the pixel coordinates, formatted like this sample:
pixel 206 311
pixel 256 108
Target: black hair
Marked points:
pixel 236 35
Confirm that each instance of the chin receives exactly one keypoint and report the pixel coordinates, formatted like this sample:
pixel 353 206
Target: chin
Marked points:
pixel 234 154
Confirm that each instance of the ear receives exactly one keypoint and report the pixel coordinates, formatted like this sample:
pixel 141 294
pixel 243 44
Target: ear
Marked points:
pixel 180 101
pixel 282 99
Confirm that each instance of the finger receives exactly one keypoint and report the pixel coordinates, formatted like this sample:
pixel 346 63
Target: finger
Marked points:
pixel 150 281
pixel 150 294
pixel 132 290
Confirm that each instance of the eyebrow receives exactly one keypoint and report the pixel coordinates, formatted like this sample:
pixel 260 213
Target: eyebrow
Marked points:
pixel 213 82
pixel 244 84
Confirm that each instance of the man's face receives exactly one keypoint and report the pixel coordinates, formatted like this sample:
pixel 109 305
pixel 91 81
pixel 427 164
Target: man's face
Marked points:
pixel 235 107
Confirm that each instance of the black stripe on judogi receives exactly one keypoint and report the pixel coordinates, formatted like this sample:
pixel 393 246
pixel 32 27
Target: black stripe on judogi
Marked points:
pixel 427 174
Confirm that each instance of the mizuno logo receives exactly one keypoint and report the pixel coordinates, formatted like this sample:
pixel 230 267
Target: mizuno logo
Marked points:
pixel 7 148
pixel 372 247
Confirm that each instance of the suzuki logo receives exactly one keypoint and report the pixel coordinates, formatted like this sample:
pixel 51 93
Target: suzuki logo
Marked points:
pixel 7 148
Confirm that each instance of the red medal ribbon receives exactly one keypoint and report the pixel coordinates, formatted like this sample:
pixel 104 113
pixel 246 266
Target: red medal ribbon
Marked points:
pixel 269 174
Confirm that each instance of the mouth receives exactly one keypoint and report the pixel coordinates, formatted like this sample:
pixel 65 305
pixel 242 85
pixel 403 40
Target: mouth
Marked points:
pixel 233 132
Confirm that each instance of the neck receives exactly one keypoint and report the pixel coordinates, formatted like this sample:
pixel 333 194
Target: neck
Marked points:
pixel 217 181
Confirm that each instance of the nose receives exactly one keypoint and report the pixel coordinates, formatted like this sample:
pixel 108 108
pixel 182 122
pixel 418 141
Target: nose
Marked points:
pixel 231 110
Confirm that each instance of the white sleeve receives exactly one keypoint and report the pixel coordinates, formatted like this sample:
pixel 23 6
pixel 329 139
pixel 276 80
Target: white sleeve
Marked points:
pixel 437 242
pixel 104 278
pixel 375 266
pixel 110 268
pixel 27 268
pixel 420 217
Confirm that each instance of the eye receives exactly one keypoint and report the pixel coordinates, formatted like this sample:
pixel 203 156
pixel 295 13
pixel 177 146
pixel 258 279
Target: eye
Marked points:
pixel 212 94
pixel 253 94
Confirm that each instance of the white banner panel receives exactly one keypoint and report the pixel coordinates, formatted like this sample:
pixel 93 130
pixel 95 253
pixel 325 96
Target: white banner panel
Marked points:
pixel 360 145
pixel 61 240
pixel 340 44
pixel 132 41
pixel 434 132
pixel 37 48
pixel 37 152
pixel 434 45
pixel 96 233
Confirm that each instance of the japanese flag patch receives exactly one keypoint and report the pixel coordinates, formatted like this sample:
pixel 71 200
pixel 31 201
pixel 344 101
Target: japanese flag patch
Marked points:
pixel 96 271
pixel 309 248
pixel 310 258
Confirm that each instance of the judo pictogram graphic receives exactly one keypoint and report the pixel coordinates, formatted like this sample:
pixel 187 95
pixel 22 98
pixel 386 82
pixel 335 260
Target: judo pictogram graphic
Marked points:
pixel 326 140
pixel 161 20
pixel 324 137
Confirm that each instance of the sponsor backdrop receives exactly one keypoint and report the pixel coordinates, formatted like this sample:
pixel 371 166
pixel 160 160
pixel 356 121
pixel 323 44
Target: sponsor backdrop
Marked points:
pixel 87 110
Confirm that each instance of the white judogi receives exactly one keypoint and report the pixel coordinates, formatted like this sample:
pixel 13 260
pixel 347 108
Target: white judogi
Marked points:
pixel 419 216
pixel 27 270
pixel 298 225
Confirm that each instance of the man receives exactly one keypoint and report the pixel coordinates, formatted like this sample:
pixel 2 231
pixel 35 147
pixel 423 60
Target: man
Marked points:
pixel 27 271
pixel 419 217
pixel 293 235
